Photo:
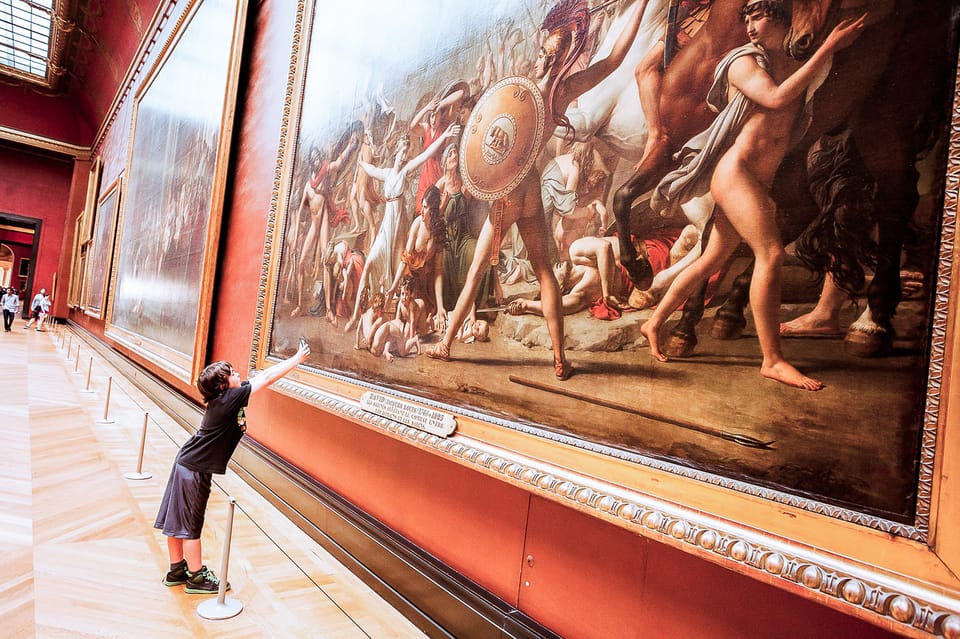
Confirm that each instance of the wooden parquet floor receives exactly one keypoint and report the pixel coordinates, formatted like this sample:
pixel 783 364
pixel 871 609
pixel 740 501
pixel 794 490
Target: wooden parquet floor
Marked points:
pixel 80 556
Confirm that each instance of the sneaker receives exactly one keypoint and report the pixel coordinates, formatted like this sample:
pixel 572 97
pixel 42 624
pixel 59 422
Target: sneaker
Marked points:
pixel 203 582
pixel 177 576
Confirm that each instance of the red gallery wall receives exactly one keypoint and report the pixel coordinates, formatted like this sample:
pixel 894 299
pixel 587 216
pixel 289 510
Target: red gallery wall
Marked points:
pixel 42 116
pixel 22 246
pixel 38 186
pixel 589 579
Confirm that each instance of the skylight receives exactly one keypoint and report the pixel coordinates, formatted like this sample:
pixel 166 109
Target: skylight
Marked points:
pixel 25 35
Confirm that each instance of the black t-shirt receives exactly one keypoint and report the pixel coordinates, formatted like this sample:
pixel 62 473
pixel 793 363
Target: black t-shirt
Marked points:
pixel 210 448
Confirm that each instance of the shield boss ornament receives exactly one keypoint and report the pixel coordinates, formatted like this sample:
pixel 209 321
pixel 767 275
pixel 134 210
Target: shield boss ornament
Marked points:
pixel 501 140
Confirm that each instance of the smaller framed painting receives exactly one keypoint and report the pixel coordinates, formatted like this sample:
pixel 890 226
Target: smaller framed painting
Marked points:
pixel 100 253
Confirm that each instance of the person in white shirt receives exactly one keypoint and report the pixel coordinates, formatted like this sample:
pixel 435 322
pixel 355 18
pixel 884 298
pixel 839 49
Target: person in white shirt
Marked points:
pixel 39 308
pixel 10 303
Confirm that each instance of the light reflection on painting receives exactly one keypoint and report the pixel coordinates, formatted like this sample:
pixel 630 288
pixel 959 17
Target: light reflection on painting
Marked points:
pixel 168 201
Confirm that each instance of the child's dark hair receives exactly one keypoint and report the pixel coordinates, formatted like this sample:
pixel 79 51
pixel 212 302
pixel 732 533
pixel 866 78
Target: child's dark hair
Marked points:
pixel 214 379
pixel 773 9
pixel 377 301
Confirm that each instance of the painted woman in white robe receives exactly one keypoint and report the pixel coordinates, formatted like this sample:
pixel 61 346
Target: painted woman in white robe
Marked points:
pixel 384 258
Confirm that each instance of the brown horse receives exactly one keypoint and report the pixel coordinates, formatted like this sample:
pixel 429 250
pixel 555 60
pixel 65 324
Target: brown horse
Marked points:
pixel 892 89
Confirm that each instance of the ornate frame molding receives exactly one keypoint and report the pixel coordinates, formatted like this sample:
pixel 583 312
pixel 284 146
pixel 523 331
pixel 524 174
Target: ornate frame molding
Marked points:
pixel 856 588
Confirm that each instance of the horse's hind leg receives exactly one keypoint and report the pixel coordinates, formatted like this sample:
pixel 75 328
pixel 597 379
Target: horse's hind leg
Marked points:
pixel 884 292
pixel 683 337
pixel 646 176
pixel 729 321
pixel 638 267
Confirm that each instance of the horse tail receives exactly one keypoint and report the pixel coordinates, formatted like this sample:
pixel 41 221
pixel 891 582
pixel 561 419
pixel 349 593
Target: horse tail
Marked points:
pixel 839 240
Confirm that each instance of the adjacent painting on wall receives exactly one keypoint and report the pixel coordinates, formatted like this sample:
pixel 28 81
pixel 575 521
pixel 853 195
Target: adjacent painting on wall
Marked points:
pixel 100 254
pixel 170 214
pixel 82 239
pixel 451 173
pixel 78 264
pixel 93 189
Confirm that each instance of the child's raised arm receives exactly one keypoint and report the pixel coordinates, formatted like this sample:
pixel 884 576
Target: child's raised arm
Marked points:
pixel 278 370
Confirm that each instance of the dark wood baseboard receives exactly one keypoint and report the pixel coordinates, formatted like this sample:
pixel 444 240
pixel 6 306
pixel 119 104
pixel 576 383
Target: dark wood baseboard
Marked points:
pixel 437 599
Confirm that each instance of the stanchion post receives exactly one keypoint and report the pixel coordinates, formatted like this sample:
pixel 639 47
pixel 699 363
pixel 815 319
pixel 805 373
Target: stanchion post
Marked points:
pixel 106 405
pixel 221 607
pixel 143 441
pixel 69 345
pixel 76 363
pixel 87 388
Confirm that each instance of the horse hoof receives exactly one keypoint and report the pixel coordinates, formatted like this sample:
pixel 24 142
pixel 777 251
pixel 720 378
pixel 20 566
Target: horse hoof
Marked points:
pixel 640 300
pixel 640 272
pixel 727 328
pixel 861 344
pixel 679 346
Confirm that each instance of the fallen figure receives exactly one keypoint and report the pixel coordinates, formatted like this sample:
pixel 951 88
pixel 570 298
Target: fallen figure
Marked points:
pixel 595 279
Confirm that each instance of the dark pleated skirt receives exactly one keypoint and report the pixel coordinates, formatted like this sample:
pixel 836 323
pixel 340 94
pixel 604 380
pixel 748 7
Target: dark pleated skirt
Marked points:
pixel 184 503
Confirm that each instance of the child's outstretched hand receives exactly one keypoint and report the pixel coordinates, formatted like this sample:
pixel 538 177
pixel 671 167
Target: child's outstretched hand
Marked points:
pixel 304 351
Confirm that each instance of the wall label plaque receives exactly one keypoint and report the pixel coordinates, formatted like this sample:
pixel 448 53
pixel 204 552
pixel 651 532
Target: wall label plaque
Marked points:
pixel 427 419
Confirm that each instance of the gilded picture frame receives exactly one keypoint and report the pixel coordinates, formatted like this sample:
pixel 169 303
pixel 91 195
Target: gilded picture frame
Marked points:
pixel 175 181
pixel 894 565
pixel 77 264
pixel 100 254
pixel 93 190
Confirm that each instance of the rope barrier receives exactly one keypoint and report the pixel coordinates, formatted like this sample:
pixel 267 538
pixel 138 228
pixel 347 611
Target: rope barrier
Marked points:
pixel 213 603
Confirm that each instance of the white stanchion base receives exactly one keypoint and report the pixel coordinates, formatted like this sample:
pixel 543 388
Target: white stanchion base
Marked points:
pixel 89 392
pixel 106 421
pixel 137 475
pixel 212 609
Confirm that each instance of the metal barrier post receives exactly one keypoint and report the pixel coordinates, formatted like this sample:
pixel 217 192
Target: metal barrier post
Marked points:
pixel 221 607
pixel 106 405
pixel 143 441
pixel 87 388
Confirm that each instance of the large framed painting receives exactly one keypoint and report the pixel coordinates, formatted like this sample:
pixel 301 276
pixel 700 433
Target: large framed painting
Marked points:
pixel 569 245
pixel 81 238
pixel 174 187
pixel 100 254
pixel 93 189
pixel 78 263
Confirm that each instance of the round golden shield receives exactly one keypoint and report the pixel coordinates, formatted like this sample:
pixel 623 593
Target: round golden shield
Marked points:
pixel 500 141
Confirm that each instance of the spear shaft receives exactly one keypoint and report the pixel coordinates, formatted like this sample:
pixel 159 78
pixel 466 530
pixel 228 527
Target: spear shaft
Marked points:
pixel 736 438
